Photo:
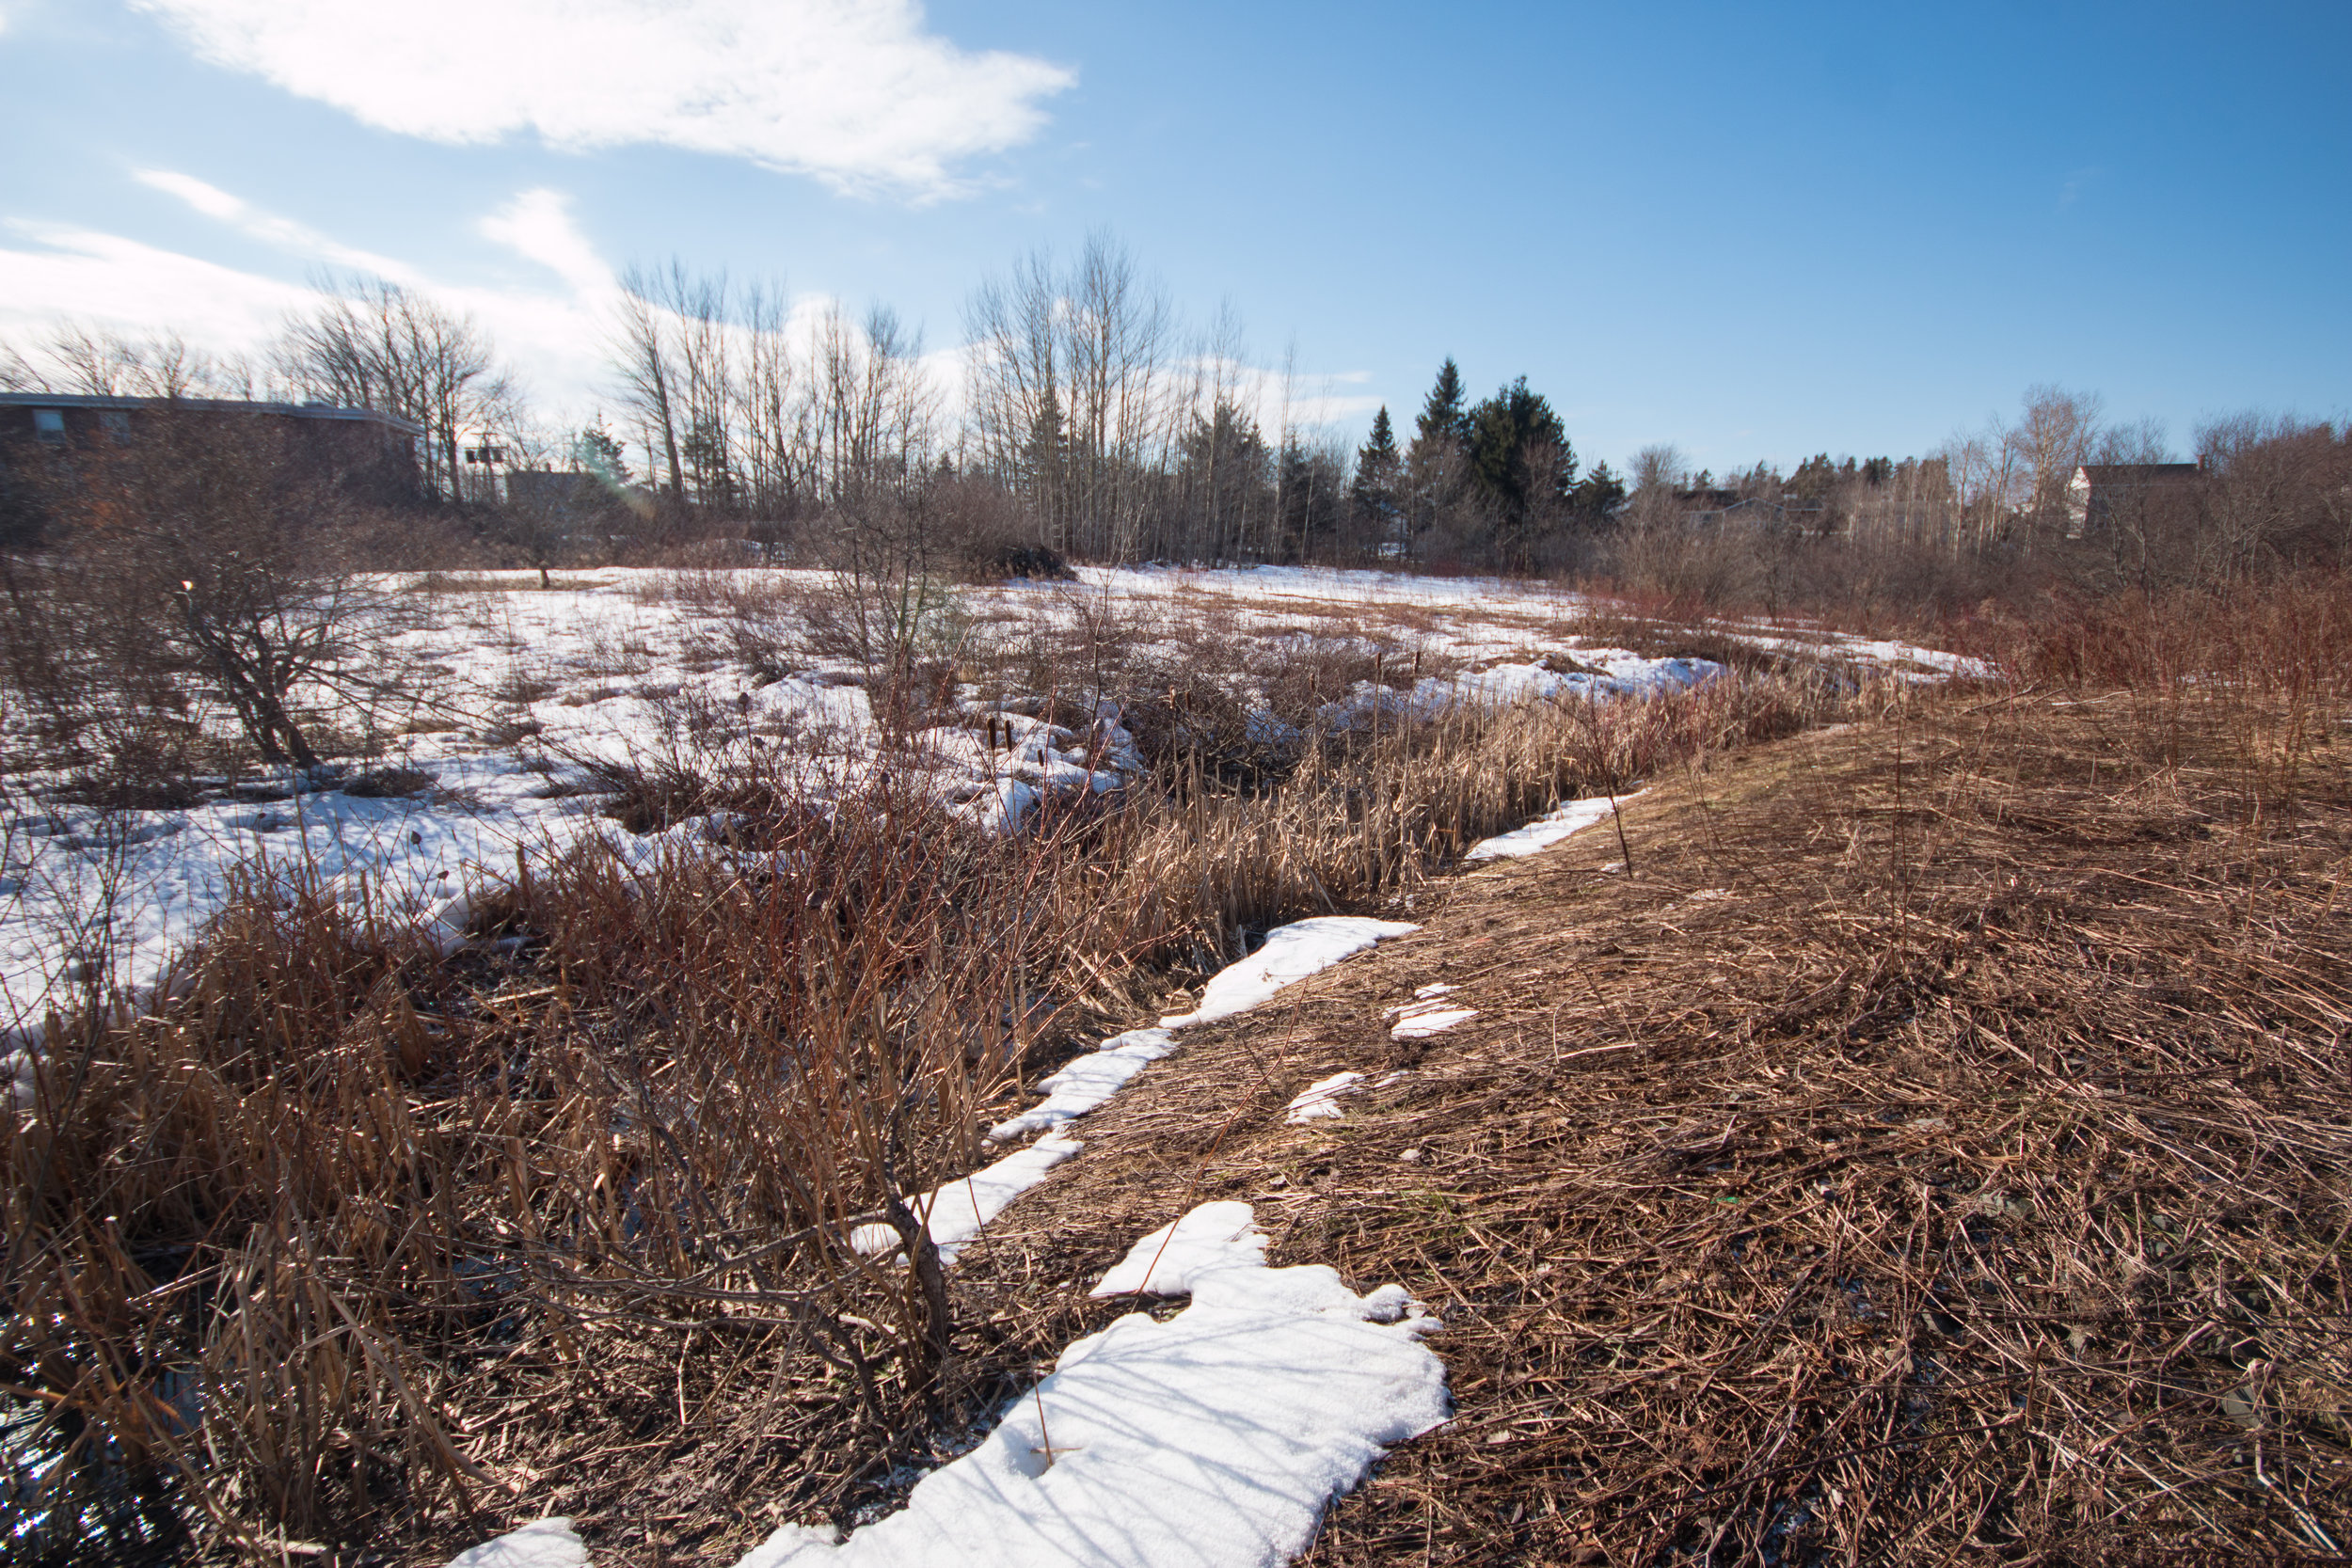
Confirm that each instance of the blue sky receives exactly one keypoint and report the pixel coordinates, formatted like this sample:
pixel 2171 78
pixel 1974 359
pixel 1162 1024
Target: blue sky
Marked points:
pixel 1754 231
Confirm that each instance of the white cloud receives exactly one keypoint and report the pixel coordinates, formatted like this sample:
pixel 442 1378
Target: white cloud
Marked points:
pixel 285 233
pixel 556 336
pixel 537 225
pixel 123 283
pixel 553 337
pixel 854 92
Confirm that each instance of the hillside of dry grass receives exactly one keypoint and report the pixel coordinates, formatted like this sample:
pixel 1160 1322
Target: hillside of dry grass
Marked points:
pixel 1933 1145
pixel 354 1245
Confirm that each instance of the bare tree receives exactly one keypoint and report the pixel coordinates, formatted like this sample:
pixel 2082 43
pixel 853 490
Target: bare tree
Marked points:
pixel 374 344
pixel 17 373
pixel 1015 379
pixel 1069 383
pixel 875 434
pixel 2053 436
pixel 2277 496
pixel 649 372
pixel 79 358
pixel 774 407
pixel 1655 474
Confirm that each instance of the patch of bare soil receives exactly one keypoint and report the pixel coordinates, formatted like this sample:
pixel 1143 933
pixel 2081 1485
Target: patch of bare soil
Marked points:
pixel 1933 1145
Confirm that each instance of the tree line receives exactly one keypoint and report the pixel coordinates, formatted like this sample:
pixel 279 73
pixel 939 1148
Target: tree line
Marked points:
pixel 1091 422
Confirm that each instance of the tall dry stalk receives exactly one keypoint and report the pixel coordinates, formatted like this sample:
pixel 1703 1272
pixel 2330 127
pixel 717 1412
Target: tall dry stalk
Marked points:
pixel 304 1251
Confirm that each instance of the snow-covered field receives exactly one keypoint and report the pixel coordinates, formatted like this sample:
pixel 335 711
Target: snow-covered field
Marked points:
pixel 514 690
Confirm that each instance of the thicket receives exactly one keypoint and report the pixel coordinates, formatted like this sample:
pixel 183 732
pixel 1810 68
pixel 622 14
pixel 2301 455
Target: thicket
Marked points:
pixel 198 603
pixel 1994 521
pixel 344 1239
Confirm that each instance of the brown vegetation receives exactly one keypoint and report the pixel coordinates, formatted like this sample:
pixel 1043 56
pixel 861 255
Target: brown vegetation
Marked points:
pixel 1932 1135
pixel 344 1239
pixel 1933 1145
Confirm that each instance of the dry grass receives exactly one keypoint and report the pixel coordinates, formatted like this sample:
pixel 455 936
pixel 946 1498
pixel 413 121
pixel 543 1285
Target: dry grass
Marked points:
pixel 349 1242
pixel 1965 1171
pixel 1936 1147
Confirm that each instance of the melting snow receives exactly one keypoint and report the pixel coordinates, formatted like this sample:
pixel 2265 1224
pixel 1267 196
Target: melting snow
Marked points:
pixel 1211 1440
pixel 954 1211
pixel 1546 831
pixel 547 1543
pixel 1426 1019
pixel 1426 1014
pixel 603 666
pixel 1290 954
pixel 1320 1100
pixel 1087 1082
pixel 1222 1235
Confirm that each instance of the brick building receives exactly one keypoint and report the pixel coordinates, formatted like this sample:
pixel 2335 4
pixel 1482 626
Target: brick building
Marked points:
pixel 369 456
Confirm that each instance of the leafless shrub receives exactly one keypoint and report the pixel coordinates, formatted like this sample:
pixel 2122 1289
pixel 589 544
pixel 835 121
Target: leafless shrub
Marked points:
pixel 756 619
pixel 202 560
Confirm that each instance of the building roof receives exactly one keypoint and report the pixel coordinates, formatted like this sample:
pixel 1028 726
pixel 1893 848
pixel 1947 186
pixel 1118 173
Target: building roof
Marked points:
pixel 2139 473
pixel 211 406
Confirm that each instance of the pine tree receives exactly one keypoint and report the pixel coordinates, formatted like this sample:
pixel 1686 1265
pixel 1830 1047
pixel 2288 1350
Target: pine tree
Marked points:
pixel 1520 456
pixel 1444 413
pixel 1375 492
pixel 1598 496
pixel 595 452
pixel 1044 463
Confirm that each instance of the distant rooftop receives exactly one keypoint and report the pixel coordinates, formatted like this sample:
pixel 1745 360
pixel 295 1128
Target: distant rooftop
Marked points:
pixel 209 406
pixel 2103 473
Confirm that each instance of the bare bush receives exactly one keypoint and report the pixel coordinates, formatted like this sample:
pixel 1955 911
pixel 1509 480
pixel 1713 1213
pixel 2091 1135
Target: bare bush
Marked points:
pixel 199 605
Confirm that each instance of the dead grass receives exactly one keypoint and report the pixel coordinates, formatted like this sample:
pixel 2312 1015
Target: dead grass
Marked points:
pixel 1936 1148
pixel 347 1240
pixel 1932 1142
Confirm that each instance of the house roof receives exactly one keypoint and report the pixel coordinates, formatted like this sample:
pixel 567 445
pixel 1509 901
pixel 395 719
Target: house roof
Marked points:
pixel 211 406
pixel 2139 473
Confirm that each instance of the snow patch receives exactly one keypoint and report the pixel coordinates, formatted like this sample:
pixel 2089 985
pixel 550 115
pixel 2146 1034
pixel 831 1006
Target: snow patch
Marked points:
pixel 1290 954
pixel 954 1211
pixel 1546 831
pixel 1319 1100
pixel 1426 1019
pixel 1087 1082
pixel 1222 1235
pixel 546 1544
pixel 1214 1438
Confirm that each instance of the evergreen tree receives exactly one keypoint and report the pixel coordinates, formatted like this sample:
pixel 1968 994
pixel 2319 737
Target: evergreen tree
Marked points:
pixel 1436 484
pixel 1520 457
pixel 1378 454
pixel 1225 472
pixel 1598 496
pixel 1375 493
pixel 594 452
pixel 1812 478
pixel 1444 413
pixel 1044 463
